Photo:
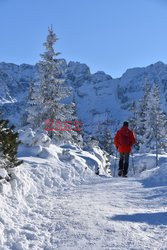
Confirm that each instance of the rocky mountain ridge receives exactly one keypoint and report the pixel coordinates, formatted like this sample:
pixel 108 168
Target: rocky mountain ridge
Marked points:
pixel 99 97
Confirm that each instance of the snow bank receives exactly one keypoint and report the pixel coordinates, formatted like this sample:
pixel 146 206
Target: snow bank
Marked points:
pixel 146 170
pixel 30 137
pixel 31 201
pixel 155 177
pixel 53 168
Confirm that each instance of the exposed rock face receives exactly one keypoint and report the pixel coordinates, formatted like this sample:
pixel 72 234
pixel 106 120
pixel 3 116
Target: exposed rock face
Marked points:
pixel 99 96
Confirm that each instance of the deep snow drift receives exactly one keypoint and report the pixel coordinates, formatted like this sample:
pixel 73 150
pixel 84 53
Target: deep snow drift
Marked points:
pixel 55 201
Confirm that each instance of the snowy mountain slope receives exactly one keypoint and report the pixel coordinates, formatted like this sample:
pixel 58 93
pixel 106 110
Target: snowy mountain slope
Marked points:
pixel 99 96
pixel 14 84
pixel 56 202
pixel 15 80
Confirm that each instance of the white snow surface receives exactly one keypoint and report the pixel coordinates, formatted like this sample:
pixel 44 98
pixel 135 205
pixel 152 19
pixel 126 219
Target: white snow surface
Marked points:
pixel 55 201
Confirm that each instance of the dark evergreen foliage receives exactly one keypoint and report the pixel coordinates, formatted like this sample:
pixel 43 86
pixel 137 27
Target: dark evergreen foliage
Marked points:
pixel 8 145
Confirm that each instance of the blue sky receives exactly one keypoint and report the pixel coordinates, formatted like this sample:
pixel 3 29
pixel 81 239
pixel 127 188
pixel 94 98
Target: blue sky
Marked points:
pixel 108 35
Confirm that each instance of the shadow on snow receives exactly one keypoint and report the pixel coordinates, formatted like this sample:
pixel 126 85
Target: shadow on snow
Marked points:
pixel 159 218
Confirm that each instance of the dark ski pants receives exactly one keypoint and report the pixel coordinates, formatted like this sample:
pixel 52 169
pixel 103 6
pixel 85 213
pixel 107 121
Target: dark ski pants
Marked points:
pixel 123 163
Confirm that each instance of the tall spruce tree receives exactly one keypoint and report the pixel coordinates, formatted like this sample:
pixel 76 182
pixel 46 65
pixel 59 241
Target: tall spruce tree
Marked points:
pixel 156 122
pixel 143 112
pixel 49 97
pixel 45 96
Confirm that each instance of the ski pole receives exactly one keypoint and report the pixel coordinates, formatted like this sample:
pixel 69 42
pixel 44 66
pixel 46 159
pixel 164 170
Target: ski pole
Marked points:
pixel 115 163
pixel 133 167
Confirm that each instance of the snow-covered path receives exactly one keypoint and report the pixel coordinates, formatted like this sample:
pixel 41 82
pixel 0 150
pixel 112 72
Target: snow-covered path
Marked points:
pixel 114 213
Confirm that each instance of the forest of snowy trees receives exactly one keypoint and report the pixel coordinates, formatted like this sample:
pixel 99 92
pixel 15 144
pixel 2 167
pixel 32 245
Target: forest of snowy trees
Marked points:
pixel 149 121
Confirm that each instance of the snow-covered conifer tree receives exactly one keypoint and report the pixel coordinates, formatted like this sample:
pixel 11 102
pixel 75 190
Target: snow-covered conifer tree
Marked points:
pixel 52 88
pixel 133 120
pixel 107 141
pixel 33 105
pixel 151 126
pixel 104 134
pixel 77 133
pixel 143 113
pixel 49 98
pixel 156 123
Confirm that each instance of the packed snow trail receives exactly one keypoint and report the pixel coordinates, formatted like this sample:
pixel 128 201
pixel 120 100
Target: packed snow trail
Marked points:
pixel 113 213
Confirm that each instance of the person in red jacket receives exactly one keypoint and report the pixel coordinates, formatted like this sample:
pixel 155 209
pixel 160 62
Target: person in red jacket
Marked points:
pixel 123 140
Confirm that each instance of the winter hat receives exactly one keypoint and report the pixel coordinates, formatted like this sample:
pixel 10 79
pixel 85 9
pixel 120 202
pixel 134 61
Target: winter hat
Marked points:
pixel 126 124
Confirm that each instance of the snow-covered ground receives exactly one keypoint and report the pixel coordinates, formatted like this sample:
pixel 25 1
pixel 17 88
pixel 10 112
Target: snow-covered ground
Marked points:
pixel 55 201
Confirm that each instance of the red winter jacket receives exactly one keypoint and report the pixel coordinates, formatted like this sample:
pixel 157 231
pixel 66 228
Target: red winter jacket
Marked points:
pixel 124 147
